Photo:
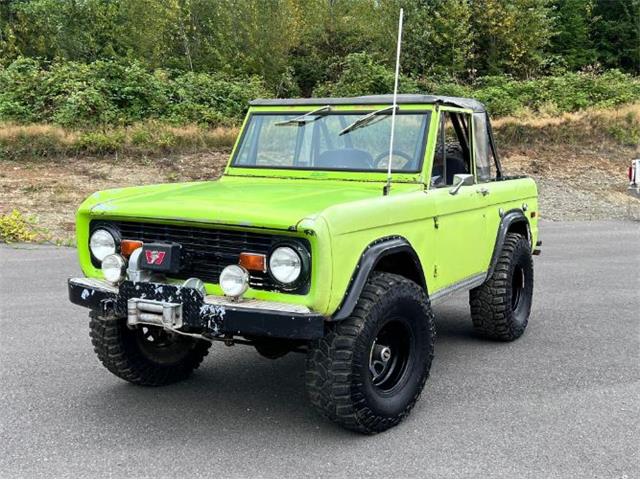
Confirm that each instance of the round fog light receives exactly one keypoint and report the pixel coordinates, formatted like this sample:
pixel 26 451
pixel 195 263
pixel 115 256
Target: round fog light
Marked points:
pixel 234 280
pixel 114 268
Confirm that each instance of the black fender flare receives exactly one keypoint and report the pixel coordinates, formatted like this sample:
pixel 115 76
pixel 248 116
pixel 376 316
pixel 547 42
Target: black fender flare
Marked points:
pixel 510 218
pixel 374 252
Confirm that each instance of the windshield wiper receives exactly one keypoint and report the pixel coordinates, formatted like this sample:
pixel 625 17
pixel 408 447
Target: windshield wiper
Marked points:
pixel 366 120
pixel 303 119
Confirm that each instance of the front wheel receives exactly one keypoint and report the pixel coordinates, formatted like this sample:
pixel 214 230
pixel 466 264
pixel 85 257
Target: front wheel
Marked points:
pixel 145 355
pixel 500 307
pixel 368 371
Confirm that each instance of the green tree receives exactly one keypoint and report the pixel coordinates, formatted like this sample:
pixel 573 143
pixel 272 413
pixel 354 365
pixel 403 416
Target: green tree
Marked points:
pixel 571 40
pixel 511 36
pixel 437 37
pixel 616 33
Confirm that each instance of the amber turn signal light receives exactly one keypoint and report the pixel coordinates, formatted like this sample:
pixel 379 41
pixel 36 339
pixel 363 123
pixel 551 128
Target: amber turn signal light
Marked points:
pixel 253 261
pixel 127 247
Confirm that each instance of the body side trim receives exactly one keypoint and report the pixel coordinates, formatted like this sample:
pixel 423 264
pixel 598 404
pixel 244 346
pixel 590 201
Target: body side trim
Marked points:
pixel 466 284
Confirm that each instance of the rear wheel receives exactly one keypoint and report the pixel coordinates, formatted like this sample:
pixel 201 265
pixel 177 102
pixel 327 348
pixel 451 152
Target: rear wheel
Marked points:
pixel 369 370
pixel 145 355
pixel 500 307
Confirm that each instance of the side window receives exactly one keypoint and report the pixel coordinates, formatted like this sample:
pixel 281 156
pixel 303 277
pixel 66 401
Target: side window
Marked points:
pixel 486 163
pixel 453 148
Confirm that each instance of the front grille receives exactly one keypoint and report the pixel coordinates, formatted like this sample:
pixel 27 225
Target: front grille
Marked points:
pixel 205 251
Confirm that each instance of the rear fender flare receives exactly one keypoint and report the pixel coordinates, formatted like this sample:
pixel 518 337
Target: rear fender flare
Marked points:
pixel 371 256
pixel 509 219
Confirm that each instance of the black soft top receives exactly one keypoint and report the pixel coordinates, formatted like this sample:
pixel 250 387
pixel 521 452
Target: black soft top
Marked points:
pixel 459 102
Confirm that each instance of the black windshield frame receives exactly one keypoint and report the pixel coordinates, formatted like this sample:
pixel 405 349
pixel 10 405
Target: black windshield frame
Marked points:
pixel 425 128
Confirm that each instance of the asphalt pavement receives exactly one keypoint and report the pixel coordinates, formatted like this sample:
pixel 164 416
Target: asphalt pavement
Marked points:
pixel 562 401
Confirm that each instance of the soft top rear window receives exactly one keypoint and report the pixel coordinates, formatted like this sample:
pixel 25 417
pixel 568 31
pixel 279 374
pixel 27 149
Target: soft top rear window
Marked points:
pixel 314 143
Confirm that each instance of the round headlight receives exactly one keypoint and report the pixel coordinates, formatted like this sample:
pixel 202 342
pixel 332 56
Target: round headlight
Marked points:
pixel 114 268
pixel 285 265
pixel 102 244
pixel 234 280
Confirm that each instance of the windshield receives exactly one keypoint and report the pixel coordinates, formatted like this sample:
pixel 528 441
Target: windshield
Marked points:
pixel 275 141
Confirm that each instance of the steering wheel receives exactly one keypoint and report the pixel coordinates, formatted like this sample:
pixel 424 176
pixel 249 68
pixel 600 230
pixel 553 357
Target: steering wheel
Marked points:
pixel 394 152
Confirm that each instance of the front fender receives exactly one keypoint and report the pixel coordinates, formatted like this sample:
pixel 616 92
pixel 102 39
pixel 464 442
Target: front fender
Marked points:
pixel 367 263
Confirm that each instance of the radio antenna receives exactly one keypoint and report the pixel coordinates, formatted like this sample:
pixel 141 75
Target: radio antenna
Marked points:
pixel 387 187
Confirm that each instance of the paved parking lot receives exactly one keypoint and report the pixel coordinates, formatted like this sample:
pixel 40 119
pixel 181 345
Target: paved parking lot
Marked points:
pixel 564 400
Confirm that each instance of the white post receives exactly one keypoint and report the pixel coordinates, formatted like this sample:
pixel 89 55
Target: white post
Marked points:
pixel 395 104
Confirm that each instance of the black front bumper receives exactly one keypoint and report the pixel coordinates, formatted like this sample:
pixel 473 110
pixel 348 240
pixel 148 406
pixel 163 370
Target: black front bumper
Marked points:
pixel 202 315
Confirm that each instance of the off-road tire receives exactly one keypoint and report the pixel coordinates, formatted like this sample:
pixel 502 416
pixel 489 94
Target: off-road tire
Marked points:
pixel 338 380
pixel 495 311
pixel 120 351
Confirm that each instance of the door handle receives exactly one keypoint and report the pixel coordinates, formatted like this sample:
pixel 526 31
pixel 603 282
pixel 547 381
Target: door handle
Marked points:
pixel 483 191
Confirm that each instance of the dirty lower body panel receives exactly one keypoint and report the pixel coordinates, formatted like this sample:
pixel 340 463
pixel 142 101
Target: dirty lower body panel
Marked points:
pixel 187 310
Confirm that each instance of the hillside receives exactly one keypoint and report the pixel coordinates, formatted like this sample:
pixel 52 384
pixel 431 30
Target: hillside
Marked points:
pixel 579 161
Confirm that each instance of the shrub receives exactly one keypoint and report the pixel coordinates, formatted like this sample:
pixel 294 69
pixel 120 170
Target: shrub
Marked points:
pixel 113 93
pixel 211 99
pixel 569 92
pixel 362 75
pixel 110 93
pixel 21 96
pixel 101 142
pixel 15 227
pixel 624 129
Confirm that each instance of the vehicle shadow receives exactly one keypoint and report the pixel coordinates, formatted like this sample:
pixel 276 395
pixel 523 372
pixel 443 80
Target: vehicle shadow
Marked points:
pixel 236 390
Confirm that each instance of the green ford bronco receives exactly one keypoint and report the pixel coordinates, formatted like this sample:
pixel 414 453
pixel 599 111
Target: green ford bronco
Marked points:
pixel 306 244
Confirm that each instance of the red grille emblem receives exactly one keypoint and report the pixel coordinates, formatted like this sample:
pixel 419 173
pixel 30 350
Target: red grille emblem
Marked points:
pixel 155 257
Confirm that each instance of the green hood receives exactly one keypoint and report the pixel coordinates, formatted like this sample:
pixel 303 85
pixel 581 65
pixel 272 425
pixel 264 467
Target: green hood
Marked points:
pixel 260 202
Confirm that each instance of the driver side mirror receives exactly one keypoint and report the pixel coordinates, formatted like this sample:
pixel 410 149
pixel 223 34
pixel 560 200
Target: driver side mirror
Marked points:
pixel 460 180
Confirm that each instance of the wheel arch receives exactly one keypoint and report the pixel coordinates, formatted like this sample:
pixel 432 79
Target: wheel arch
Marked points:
pixel 388 254
pixel 513 221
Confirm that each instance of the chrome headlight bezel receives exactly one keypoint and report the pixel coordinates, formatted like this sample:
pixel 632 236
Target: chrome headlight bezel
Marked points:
pixel 109 236
pixel 304 259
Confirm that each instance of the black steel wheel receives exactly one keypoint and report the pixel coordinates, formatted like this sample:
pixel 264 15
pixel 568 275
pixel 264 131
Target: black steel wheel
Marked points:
pixel 390 355
pixel 368 371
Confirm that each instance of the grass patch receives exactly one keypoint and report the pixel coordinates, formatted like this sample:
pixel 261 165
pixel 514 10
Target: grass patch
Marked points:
pixel 143 139
pixel 618 127
pixel 151 138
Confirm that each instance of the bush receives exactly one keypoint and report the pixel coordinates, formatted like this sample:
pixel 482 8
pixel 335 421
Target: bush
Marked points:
pixel 21 96
pixel 625 130
pixel 569 92
pixel 361 75
pixel 97 142
pixel 15 227
pixel 111 93
pixel 211 99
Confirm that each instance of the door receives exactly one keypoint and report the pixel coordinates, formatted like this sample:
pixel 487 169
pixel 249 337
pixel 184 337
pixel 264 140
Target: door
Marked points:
pixel 461 212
